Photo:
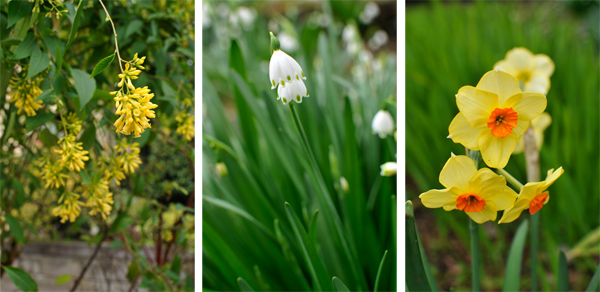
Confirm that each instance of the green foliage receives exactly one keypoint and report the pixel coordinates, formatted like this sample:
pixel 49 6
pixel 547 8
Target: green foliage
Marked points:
pixel 21 279
pixel 512 276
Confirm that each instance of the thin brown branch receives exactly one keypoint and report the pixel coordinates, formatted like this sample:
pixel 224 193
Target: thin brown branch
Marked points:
pixel 89 262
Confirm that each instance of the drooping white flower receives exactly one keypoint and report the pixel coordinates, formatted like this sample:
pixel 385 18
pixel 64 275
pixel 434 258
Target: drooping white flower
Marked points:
pixel 294 90
pixel 389 169
pixel 283 69
pixel 383 124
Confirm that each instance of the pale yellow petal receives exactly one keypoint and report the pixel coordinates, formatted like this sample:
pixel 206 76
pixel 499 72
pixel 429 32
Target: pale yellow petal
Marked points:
pixel 502 65
pixel 511 214
pixel 476 105
pixel 530 191
pixel 461 132
pixel 520 146
pixel 500 83
pixel 488 213
pixel 539 139
pixel 492 187
pixel 496 151
pixel 457 172
pixel 438 198
pixel 539 83
pixel 544 64
pixel 521 127
pixel 521 59
pixel 528 105
pixel 552 177
pixel 542 122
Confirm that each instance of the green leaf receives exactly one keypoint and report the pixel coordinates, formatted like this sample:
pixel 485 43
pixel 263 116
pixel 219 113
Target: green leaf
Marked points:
pixel 512 275
pixel 244 287
pixel 88 137
pixel 316 269
pixel 116 244
pixel 595 282
pixel 46 96
pixel 20 278
pixel 15 228
pixel 85 178
pixel 19 194
pixel 144 137
pixel 10 42
pixel 133 27
pixel 379 271
pixel 63 279
pixel 338 285
pixel 101 94
pixel 312 230
pixel 416 277
pixel 102 65
pixel 58 57
pixel 18 9
pixel 38 63
pixel 236 59
pixel 84 85
pixel 47 138
pixel 176 264
pixel 228 206
pixel 563 272
pixel 125 222
pixel 26 46
pixel 39 119
pixel 75 25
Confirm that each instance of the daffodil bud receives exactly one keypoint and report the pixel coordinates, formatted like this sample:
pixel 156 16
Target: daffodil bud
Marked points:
pixel 221 169
pixel 383 124
pixel 388 169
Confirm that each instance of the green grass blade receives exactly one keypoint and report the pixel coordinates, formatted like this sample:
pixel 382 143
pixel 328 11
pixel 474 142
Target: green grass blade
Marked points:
pixel 512 276
pixel 379 271
pixel 315 266
pixel 416 277
pixel 338 285
pixel 244 287
pixel 312 230
pixel 595 282
pixel 563 272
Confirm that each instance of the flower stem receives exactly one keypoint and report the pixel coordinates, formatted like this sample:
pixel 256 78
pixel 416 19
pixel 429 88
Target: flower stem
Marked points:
pixel 474 228
pixel 115 32
pixel 509 178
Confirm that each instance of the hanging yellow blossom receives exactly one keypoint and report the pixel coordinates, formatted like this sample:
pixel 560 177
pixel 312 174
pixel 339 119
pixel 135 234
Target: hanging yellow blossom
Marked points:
pixel 72 154
pixel 24 92
pixel 493 116
pixel 479 193
pixel 52 173
pixel 99 199
pixel 538 125
pixel 185 125
pixel 532 71
pixel 533 196
pixel 129 159
pixel 70 207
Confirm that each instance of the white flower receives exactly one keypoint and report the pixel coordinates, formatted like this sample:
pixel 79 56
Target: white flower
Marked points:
pixel 283 69
pixel 294 90
pixel 344 184
pixel 389 169
pixel 383 124
pixel 371 11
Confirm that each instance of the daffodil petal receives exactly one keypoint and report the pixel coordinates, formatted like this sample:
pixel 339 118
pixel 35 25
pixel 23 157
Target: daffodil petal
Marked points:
pixel 500 83
pixel 502 65
pixel 488 213
pixel 521 127
pixel 528 105
pixel 539 83
pixel 539 139
pixel 544 64
pixel 457 172
pixel 520 145
pixel 476 105
pixel 541 122
pixel 496 151
pixel 521 59
pixel 530 191
pixel 438 198
pixel 511 214
pixel 461 132
pixel 492 187
pixel 552 177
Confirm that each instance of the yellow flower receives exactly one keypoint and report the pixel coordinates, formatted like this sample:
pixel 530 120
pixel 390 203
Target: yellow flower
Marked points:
pixel 72 154
pixel 52 173
pixel 479 193
pixel 538 125
pixel 185 125
pixel 493 116
pixel 99 199
pixel 533 196
pixel 130 157
pixel 23 94
pixel 532 71
pixel 135 108
pixel 70 207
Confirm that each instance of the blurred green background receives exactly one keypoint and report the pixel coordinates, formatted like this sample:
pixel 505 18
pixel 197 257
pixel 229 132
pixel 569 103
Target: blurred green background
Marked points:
pixel 452 44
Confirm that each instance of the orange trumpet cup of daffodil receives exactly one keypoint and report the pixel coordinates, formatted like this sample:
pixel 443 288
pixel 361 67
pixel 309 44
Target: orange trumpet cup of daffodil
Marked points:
pixel 479 193
pixel 533 196
pixel 493 116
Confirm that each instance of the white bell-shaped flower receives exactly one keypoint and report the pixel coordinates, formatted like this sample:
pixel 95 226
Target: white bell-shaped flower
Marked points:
pixel 383 124
pixel 389 169
pixel 283 69
pixel 294 90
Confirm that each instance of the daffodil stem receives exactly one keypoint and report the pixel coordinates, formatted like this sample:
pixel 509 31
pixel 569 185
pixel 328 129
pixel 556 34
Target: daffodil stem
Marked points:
pixel 509 178
pixel 474 228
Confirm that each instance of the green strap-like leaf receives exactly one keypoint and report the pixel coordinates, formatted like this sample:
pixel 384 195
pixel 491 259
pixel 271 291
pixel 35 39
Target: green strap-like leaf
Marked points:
pixel 563 272
pixel 21 279
pixel 244 287
pixel 338 285
pixel 416 277
pixel 595 282
pixel 512 275
pixel 226 205
pixel 102 65
pixel 379 271
pixel 75 25
pixel 15 228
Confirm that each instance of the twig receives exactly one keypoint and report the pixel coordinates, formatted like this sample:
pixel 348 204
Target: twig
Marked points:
pixel 115 33
pixel 89 262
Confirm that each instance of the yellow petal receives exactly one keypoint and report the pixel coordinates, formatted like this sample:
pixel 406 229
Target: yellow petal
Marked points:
pixel 492 187
pixel 438 198
pixel 530 191
pixel 461 132
pixel 520 145
pixel 500 83
pixel 476 105
pixel 512 213
pixel 496 151
pixel 544 64
pixel 541 122
pixel 457 172
pixel 552 177
pixel 521 127
pixel 528 105
pixel 521 59
pixel 488 213
pixel 539 83
pixel 502 65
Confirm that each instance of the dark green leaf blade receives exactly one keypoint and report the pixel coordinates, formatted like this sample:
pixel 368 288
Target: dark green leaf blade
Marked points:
pixel 563 272
pixel 416 277
pixel 512 275
pixel 88 137
pixel 338 285
pixel 379 271
pixel 84 85
pixel 15 228
pixel 75 25
pixel 595 282
pixel 102 65
pixel 39 119
pixel 18 9
pixel 19 194
pixel 244 287
pixel 38 63
pixel 25 47
pixel 21 279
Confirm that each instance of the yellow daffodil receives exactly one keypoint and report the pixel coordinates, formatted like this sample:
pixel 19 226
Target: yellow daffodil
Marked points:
pixel 493 116
pixel 533 196
pixel 538 125
pixel 479 193
pixel 532 71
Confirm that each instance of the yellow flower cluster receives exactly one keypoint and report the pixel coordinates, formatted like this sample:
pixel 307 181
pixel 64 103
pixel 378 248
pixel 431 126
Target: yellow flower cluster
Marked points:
pixel 24 92
pixel 52 173
pixel 72 154
pixel 185 125
pixel 57 5
pixel 70 207
pixel 129 159
pixel 99 199
pixel 133 104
